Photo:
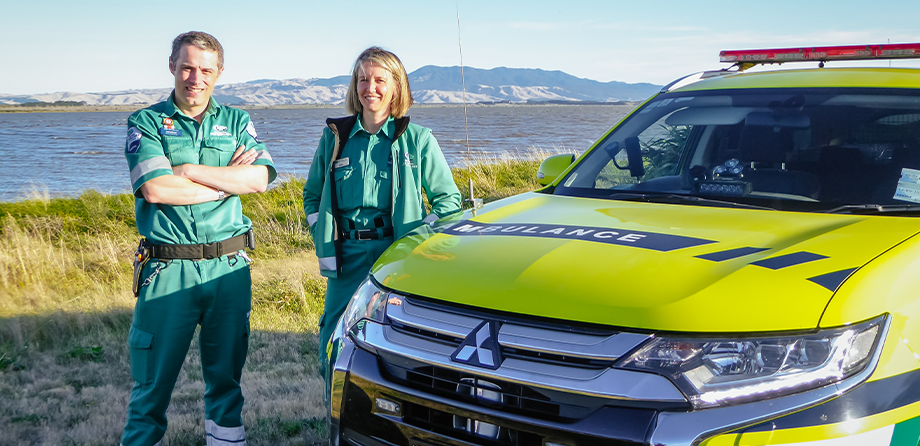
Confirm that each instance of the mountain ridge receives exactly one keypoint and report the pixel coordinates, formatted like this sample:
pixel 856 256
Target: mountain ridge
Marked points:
pixel 430 85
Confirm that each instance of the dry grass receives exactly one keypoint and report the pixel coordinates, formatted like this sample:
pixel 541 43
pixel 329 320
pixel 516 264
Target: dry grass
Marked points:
pixel 66 306
pixel 77 393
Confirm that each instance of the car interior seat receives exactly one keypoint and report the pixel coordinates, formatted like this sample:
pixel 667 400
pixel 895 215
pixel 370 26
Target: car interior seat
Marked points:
pixel 764 151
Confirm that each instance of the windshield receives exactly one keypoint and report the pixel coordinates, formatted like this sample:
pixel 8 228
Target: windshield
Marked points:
pixel 796 149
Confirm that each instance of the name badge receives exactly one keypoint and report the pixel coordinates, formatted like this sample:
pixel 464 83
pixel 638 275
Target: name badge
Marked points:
pixel 170 132
pixel 340 163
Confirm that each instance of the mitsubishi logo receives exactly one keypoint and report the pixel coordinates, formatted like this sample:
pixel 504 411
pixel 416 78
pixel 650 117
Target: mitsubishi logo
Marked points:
pixel 480 348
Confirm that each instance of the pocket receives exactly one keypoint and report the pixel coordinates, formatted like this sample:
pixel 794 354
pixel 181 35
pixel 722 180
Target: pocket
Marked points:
pixel 348 187
pixel 180 150
pixel 242 348
pixel 141 364
pixel 217 152
pixel 384 189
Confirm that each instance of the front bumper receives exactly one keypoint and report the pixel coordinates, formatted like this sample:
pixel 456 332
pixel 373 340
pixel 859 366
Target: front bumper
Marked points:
pixel 373 403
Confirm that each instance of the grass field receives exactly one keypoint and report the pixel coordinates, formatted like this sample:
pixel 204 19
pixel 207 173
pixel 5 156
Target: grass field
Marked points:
pixel 66 306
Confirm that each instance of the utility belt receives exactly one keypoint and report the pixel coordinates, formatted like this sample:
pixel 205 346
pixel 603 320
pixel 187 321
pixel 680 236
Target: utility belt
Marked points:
pixel 202 251
pixel 381 230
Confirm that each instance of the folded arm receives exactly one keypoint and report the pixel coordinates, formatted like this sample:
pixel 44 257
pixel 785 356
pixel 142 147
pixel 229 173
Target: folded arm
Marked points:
pixel 194 184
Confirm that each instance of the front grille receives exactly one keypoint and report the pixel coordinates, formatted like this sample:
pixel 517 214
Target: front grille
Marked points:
pixel 528 340
pixel 546 369
pixel 446 424
pixel 514 398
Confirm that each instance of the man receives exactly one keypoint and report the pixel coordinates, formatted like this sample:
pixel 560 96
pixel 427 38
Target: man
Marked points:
pixel 190 159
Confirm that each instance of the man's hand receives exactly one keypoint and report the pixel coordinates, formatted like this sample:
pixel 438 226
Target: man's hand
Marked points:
pixel 239 177
pixel 243 158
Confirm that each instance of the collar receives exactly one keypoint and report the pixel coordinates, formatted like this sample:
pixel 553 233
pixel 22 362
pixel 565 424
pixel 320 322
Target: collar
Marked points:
pixel 388 128
pixel 171 109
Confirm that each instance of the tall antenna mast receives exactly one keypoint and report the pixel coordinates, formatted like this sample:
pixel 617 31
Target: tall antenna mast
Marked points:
pixel 466 122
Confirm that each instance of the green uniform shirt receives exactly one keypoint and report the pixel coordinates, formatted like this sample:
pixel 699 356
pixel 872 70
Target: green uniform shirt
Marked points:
pixel 363 175
pixel 160 137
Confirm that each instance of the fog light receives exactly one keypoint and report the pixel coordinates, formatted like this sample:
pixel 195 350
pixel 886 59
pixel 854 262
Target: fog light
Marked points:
pixel 388 406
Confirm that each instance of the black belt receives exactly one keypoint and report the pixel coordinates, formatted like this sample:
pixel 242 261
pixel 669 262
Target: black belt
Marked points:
pixel 369 234
pixel 200 251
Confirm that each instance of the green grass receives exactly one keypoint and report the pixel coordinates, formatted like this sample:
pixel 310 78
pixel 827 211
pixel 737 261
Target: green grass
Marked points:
pixel 66 307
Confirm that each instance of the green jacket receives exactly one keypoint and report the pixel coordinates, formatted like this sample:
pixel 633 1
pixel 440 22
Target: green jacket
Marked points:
pixel 418 164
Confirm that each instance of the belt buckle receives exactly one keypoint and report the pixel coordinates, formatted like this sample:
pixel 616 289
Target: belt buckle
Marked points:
pixel 210 250
pixel 366 234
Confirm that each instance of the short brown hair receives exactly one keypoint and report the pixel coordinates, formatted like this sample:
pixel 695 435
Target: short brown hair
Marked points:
pixel 203 41
pixel 402 99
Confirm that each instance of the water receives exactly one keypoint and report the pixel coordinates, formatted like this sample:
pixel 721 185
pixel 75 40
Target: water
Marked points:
pixel 63 154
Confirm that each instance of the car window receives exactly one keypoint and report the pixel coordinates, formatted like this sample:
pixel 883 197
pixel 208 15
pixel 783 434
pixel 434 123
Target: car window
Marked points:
pixel 803 149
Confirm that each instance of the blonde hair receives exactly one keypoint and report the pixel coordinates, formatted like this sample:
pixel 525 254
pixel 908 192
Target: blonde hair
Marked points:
pixel 402 97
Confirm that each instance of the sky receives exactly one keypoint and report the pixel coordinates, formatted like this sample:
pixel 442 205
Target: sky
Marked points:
pixel 101 45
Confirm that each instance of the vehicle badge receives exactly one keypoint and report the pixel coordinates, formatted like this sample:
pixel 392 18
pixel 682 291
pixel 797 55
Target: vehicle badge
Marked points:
pixel 480 348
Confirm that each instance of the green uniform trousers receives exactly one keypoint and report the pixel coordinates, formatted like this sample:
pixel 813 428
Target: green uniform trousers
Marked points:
pixel 214 293
pixel 357 258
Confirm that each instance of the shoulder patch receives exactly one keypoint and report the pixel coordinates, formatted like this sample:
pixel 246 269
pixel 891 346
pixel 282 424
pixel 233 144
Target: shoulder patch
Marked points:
pixel 251 129
pixel 133 141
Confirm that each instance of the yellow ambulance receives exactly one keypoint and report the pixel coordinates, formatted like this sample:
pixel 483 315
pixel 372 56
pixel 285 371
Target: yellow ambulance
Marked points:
pixel 736 262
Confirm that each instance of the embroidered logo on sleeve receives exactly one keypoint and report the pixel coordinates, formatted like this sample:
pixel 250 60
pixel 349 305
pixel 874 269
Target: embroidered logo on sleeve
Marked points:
pixel 251 129
pixel 133 141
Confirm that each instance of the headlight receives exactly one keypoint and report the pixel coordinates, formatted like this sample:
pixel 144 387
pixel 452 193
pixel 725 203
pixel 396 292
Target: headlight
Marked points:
pixel 369 302
pixel 720 372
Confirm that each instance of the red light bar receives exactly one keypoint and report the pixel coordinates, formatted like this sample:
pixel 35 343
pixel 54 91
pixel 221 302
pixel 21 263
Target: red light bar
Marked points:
pixel 823 53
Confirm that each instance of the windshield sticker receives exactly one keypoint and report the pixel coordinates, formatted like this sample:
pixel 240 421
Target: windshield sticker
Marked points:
pixel 908 186
pixel 613 236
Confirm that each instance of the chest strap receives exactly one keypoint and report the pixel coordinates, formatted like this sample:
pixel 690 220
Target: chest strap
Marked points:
pixel 201 250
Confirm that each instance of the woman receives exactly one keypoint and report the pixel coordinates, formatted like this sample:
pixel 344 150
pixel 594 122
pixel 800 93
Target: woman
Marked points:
pixel 376 164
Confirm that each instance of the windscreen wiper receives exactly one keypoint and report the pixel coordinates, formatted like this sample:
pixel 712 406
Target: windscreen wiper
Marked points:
pixel 873 208
pixel 683 199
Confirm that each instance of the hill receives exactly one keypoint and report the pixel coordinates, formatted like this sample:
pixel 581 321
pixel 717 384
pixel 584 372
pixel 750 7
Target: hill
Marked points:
pixel 430 85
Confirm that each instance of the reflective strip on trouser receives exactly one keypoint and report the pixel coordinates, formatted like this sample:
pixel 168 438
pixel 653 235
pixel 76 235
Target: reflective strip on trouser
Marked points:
pixel 214 293
pixel 357 258
pixel 224 436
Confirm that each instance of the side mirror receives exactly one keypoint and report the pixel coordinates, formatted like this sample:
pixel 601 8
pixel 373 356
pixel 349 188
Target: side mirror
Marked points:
pixel 552 167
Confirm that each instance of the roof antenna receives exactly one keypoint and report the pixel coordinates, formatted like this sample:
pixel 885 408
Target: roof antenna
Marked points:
pixel 476 203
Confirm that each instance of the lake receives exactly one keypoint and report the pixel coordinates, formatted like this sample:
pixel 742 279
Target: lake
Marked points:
pixel 62 154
